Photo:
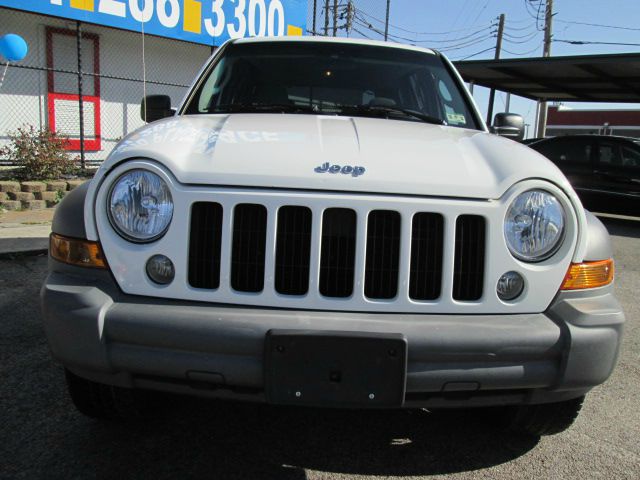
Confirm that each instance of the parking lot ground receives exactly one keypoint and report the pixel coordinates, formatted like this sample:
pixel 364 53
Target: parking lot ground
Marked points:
pixel 24 231
pixel 42 436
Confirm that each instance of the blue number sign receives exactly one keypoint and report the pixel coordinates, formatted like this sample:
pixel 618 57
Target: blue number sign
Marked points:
pixel 209 22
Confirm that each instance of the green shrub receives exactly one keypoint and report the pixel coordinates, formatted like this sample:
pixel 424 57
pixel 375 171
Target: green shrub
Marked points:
pixel 40 154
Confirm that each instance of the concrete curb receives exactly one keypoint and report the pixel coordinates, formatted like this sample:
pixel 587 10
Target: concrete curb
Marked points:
pixel 20 246
pixel 19 239
pixel 24 253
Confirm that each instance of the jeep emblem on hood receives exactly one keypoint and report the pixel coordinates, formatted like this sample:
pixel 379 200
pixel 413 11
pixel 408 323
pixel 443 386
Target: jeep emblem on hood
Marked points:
pixel 345 170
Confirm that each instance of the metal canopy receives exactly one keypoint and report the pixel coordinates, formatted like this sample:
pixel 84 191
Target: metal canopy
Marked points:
pixel 583 78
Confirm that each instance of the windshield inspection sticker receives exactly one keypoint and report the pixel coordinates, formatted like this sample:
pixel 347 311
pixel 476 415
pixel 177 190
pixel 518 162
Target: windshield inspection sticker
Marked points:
pixel 456 118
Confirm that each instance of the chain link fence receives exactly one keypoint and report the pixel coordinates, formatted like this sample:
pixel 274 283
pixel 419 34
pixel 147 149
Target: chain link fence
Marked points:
pixel 44 90
pixel 85 82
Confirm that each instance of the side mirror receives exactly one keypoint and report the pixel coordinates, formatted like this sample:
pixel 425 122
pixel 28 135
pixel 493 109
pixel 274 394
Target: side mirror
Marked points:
pixel 510 125
pixel 156 107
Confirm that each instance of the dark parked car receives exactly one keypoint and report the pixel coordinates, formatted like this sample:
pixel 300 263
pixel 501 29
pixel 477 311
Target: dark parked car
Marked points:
pixel 604 170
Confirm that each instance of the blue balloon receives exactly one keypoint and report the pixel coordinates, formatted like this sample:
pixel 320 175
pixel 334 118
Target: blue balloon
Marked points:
pixel 13 47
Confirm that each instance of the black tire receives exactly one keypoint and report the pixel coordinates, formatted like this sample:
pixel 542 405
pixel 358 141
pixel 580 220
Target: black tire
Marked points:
pixel 546 418
pixel 97 400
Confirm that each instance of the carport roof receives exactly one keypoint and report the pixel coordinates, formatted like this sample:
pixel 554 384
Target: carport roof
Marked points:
pixel 583 78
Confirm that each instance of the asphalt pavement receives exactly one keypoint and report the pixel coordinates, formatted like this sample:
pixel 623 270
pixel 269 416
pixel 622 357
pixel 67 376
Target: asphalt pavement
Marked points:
pixel 42 436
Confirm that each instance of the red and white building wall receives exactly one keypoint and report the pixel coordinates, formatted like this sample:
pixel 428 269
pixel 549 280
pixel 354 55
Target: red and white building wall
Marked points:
pixel 566 121
pixel 42 90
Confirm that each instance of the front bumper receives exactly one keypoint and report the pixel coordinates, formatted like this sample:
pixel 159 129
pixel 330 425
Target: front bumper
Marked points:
pixel 217 350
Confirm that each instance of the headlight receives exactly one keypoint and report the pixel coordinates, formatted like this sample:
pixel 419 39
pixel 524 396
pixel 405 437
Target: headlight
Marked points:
pixel 140 206
pixel 534 226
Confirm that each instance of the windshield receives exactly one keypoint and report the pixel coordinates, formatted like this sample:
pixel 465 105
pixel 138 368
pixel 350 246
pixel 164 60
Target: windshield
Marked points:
pixel 332 79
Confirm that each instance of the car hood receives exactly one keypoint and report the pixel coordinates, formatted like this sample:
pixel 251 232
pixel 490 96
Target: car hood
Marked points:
pixel 320 152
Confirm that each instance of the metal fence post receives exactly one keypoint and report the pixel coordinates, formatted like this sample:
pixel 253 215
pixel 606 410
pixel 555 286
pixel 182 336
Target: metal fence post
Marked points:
pixel 80 103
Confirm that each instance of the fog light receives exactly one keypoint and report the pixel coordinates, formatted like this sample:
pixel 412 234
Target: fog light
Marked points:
pixel 510 286
pixel 160 269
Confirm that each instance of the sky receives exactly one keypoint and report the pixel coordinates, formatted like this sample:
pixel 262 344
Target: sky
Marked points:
pixel 463 28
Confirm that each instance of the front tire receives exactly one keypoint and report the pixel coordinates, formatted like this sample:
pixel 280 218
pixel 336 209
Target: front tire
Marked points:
pixel 546 418
pixel 97 400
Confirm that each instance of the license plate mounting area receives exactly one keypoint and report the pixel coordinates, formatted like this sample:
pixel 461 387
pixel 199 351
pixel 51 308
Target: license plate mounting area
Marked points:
pixel 335 369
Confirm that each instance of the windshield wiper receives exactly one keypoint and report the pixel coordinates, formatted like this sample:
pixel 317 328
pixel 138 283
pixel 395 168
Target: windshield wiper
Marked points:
pixel 262 108
pixel 386 110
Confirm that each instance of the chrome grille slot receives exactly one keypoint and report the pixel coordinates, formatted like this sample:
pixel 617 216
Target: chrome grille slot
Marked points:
pixel 204 245
pixel 427 235
pixel 248 247
pixel 293 247
pixel 469 258
pixel 383 253
pixel 338 250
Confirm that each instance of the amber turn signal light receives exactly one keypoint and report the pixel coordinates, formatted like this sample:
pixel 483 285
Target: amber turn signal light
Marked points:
pixel 588 275
pixel 73 251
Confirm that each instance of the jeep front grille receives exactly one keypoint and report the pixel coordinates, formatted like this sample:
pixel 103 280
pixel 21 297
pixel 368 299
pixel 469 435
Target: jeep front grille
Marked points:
pixel 350 251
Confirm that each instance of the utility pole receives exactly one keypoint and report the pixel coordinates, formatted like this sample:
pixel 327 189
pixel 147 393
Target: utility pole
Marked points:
pixel 386 23
pixel 542 109
pixel 350 15
pixel 315 12
pixel 492 93
pixel 326 18
pixel 335 18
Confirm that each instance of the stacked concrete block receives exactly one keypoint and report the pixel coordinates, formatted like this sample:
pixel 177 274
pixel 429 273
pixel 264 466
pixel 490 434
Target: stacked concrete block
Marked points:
pixel 57 186
pixel 33 187
pixel 7 187
pixel 34 204
pixel 34 195
pixel 21 196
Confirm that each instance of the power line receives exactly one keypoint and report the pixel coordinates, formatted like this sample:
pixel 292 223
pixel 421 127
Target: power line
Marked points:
pixel 536 13
pixel 360 33
pixel 476 54
pixel 527 6
pixel 366 24
pixel 589 42
pixel 391 25
pixel 522 20
pixel 518 42
pixel 521 29
pixel 472 37
pixel 481 10
pixel 521 53
pixel 598 25
pixel 465 45
pixel 455 22
pixel 519 37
